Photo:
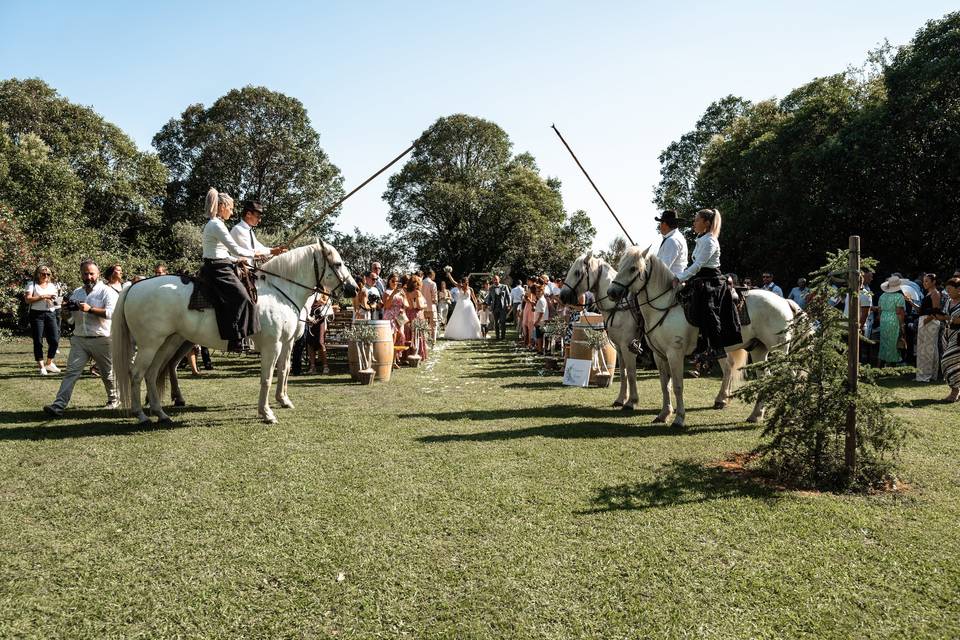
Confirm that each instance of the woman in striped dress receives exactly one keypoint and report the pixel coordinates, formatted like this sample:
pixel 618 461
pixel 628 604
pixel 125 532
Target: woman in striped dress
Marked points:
pixel 950 342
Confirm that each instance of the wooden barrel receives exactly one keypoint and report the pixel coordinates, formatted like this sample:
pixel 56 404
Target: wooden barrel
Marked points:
pixel 382 351
pixel 580 348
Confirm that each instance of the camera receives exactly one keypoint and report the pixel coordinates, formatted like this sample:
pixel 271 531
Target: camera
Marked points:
pixel 373 299
pixel 70 305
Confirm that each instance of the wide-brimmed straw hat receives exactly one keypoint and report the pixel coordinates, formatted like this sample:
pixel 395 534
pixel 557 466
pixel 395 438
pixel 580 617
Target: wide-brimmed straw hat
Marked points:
pixel 893 283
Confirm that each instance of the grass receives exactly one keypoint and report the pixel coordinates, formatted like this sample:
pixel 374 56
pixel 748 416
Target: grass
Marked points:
pixel 470 499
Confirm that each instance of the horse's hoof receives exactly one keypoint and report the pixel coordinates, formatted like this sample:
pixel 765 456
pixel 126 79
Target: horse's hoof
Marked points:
pixel 286 404
pixel 753 419
pixel 143 421
pixel 617 403
pixel 165 421
pixel 678 424
pixel 661 419
pixel 179 402
pixel 270 419
pixel 627 407
pixel 719 405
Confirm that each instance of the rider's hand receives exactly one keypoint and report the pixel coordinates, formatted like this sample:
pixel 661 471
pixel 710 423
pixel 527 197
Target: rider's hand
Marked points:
pixel 277 251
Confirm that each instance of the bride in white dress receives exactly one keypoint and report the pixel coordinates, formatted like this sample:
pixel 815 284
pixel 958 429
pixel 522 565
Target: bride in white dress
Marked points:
pixel 464 323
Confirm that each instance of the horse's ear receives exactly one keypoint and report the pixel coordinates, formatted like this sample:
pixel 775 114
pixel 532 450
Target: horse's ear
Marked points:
pixel 589 255
pixel 645 252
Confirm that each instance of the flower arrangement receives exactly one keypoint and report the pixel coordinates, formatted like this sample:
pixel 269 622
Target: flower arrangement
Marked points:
pixel 364 335
pixel 597 339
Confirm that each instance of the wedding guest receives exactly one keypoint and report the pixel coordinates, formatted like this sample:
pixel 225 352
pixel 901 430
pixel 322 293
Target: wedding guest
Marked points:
pixel 377 280
pixel 415 309
pixel 368 301
pixel 950 339
pixel 928 331
pixel 114 278
pixel 516 299
pixel 43 296
pixel 541 314
pixel 444 302
pixel 892 317
pixel 770 285
pixel 529 300
pixel 484 314
pixel 394 305
pixel 800 293
pixel 321 310
pixel 160 270
pixel 429 290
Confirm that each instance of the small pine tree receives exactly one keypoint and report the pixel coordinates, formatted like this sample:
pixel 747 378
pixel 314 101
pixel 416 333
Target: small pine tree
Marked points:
pixel 806 394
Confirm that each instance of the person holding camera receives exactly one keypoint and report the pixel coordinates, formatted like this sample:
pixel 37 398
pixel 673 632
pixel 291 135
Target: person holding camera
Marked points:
pixel 43 296
pixel 367 301
pixel 91 307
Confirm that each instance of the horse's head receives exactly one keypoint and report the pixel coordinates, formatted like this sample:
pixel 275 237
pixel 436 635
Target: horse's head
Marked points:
pixel 631 274
pixel 578 279
pixel 332 273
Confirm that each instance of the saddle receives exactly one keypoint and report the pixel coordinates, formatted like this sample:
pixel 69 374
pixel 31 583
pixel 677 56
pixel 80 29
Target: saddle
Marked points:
pixel 203 293
pixel 738 297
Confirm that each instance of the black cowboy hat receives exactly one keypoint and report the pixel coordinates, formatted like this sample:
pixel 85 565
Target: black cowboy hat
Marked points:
pixel 252 205
pixel 669 216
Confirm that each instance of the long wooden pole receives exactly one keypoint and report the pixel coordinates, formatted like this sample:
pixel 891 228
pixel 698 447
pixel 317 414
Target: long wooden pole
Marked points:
pixel 339 202
pixel 575 159
pixel 853 354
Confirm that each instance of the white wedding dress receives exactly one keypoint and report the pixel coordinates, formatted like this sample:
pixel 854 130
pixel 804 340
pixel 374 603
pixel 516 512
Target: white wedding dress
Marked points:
pixel 464 324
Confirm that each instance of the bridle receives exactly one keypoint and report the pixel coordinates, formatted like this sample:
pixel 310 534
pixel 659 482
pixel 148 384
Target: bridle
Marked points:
pixel 318 276
pixel 649 302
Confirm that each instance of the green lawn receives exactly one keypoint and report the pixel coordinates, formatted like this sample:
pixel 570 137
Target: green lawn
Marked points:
pixel 474 498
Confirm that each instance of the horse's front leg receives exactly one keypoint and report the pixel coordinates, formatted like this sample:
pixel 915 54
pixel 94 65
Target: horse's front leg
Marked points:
pixel 622 396
pixel 675 359
pixel 268 355
pixel 663 368
pixel 283 374
pixel 629 364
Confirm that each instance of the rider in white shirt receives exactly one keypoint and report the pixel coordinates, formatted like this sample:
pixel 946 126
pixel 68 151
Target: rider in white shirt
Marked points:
pixel 673 249
pixel 242 232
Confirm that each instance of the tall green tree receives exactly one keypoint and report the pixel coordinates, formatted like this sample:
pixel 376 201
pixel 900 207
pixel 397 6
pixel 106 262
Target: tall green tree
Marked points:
pixel 359 250
pixel 463 199
pixel 254 144
pixel 67 168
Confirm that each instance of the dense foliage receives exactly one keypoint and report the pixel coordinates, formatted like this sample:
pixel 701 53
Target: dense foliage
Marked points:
pixel 807 396
pixel 464 200
pixel 869 151
pixel 254 144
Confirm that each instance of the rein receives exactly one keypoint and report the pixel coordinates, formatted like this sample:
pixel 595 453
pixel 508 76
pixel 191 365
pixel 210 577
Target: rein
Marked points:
pixel 317 288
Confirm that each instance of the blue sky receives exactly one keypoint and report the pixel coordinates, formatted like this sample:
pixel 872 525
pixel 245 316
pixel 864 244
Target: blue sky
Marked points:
pixel 620 79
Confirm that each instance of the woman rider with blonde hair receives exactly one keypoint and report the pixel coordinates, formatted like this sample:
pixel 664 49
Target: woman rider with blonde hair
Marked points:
pixel 236 315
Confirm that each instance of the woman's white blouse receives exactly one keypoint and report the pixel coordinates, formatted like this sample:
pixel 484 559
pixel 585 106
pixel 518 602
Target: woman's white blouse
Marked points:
pixel 706 254
pixel 48 289
pixel 218 243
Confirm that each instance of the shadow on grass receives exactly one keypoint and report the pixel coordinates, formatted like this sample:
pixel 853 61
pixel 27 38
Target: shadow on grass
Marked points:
pixel 95 425
pixel 577 430
pixel 677 483
pixel 519 413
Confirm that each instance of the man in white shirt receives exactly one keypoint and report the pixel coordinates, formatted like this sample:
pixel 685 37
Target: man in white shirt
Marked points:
pixel 429 290
pixel 242 232
pixel 375 268
pixel 770 285
pixel 541 314
pixel 91 307
pixel 516 298
pixel 673 249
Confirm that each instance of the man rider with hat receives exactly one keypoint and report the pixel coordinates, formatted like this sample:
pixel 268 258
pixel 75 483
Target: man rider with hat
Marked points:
pixel 242 232
pixel 673 249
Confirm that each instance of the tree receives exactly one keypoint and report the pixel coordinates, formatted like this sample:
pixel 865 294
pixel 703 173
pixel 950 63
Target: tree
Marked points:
pixel 254 144
pixel 614 251
pixel 463 200
pixel 65 157
pixel 359 250
pixel 680 161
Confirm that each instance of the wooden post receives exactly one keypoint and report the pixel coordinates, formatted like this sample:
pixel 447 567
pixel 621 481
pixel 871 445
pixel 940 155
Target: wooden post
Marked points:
pixel 853 354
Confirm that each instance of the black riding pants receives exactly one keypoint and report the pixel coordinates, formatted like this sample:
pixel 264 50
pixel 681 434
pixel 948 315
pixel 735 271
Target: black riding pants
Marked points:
pixel 236 314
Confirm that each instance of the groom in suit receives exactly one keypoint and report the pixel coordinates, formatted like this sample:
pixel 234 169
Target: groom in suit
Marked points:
pixel 498 301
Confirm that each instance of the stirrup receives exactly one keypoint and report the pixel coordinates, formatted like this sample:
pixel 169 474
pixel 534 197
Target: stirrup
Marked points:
pixel 235 346
pixel 635 347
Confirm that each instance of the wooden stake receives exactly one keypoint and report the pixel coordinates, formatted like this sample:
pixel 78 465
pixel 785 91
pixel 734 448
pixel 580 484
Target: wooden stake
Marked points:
pixel 853 355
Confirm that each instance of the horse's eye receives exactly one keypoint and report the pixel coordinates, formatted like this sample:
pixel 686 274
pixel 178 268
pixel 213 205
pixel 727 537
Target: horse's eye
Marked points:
pixel 338 265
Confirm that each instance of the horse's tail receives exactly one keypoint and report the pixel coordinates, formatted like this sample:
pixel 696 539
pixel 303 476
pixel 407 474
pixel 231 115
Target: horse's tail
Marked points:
pixel 122 350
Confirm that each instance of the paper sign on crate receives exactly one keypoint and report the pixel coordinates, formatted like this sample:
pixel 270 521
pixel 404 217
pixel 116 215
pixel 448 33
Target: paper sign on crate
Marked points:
pixel 577 373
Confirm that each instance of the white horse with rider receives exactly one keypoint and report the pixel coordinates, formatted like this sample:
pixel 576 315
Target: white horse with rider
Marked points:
pixel 671 337
pixel 594 274
pixel 152 317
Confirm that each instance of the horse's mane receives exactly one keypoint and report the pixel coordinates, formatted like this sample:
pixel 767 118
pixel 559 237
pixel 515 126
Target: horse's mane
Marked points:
pixel 659 274
pixel 286 265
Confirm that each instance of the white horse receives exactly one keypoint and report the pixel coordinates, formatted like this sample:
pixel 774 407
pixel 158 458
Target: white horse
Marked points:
pixel 672 338
pixel 589 273
pixel 153 315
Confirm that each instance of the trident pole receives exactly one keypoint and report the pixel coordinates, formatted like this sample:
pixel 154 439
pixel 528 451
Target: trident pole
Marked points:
pixel 339 202
pixel 609 208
